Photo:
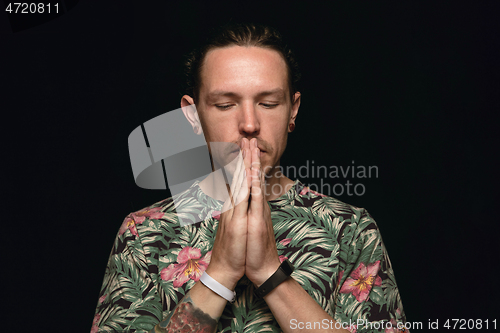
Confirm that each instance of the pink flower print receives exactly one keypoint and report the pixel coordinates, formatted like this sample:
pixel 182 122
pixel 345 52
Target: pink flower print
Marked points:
pixel 306 190
pixel 282 258
pixel 340 277
pixel 94 328
pixel 151 213
pixel 190 266
pixel 285 241
pixel 102 298
pixel 361 281
pixel 128 223
pixel 138 218
pixel 216 214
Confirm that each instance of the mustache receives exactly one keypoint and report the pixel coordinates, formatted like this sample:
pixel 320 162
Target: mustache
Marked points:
pixel 263 145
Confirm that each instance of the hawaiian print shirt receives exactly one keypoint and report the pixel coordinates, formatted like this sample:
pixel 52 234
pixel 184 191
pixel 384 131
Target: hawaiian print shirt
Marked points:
pixel 336 249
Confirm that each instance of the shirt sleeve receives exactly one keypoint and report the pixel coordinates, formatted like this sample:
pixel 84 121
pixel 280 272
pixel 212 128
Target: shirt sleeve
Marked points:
pixel 367 297
pixel 129 300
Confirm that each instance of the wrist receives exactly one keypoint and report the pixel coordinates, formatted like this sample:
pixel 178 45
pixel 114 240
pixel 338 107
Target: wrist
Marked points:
pixel 223 278
pixel 266 274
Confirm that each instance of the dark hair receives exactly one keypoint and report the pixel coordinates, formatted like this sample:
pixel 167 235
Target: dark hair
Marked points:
pixel 240 34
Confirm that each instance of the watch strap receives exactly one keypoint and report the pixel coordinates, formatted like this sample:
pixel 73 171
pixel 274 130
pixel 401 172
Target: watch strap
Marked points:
pixel 217 288
pixel 281 274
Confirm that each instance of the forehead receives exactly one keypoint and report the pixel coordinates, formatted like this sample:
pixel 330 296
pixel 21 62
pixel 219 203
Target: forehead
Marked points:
pixel 243 69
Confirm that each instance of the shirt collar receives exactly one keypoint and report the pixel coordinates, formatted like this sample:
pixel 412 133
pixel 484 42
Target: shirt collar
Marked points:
pixel 288 198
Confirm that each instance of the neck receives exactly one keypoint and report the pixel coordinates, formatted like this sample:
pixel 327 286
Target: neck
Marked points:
pixel 214 185
pixel 277 183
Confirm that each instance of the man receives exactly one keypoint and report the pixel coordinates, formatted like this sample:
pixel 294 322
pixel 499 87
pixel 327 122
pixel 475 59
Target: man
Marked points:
pixel 185 278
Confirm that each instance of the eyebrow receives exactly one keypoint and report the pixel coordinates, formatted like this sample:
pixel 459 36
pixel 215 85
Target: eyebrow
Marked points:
pixel 218 93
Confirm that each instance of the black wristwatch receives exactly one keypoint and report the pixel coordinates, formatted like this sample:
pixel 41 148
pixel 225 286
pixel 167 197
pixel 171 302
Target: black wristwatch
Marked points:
pixel 283 272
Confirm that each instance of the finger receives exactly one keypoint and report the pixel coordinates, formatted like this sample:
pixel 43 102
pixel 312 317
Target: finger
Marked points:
pixel 229 204
pixel 262 182
pixel 231 174
pixel 244 185
pixel 256 189
pixel 248 163
pixel 235 188
pixel 242 174
pixel 227 208
pixel 241 208
pixel 248 155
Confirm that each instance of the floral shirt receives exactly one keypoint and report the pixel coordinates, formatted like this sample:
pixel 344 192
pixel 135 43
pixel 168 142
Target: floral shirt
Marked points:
pixel 336 249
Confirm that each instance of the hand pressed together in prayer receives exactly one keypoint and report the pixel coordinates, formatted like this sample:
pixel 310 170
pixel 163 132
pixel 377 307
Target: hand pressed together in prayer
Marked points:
pixel 245 243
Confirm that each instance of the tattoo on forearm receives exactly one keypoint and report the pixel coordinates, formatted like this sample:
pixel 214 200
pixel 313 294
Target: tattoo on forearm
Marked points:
pixel 186 317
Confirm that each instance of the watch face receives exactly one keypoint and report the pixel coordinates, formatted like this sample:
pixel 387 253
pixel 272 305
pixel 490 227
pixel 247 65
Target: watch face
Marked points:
pixel 287 267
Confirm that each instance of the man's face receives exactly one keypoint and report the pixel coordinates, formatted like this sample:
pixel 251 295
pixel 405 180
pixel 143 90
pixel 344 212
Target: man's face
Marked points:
pixel 244 94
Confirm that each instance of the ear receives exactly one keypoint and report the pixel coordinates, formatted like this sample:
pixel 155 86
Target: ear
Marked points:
pixel 295 110
pixel 191 114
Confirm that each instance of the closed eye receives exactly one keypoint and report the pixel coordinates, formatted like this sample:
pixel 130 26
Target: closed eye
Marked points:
pixel 223 107
pixel 269 106
pixel 228 106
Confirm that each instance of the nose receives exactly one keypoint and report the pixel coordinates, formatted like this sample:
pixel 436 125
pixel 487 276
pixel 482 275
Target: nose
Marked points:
pixel 249 124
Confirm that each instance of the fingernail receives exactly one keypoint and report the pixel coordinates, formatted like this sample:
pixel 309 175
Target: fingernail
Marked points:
pixel 244 153
pixel 255 143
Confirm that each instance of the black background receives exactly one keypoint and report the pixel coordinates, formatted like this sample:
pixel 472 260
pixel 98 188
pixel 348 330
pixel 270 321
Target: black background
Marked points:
pixel 411 88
